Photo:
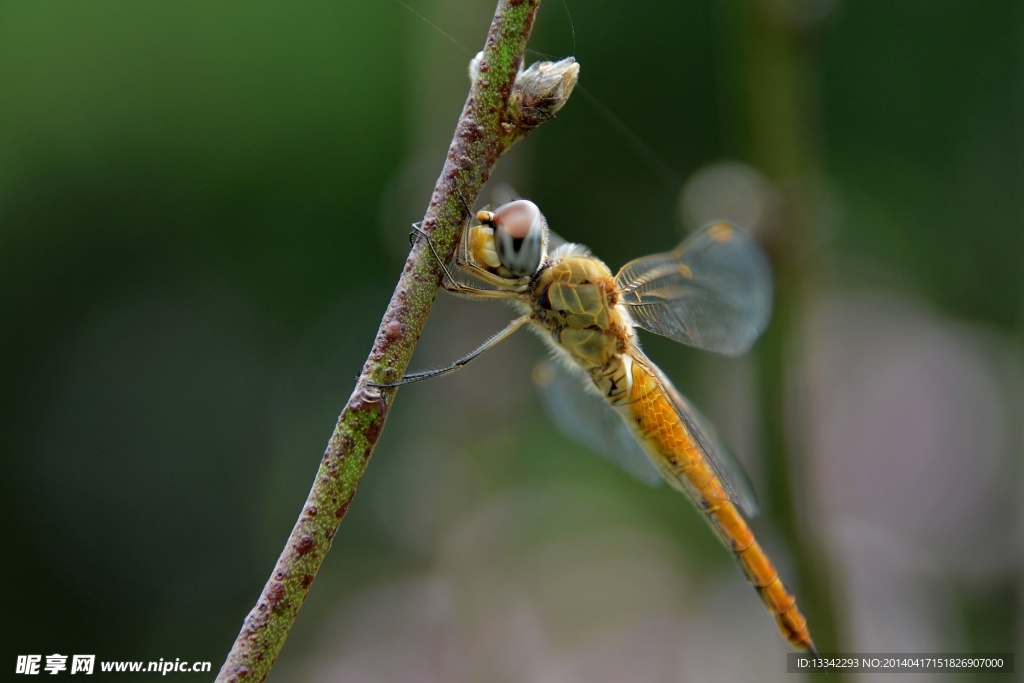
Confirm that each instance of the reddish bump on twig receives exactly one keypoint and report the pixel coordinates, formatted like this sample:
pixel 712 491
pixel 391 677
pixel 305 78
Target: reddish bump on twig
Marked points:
pixel 305 545
pixel 275 594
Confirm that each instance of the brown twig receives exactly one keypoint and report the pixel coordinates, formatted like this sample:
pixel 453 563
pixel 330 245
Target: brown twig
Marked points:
pixel 499 111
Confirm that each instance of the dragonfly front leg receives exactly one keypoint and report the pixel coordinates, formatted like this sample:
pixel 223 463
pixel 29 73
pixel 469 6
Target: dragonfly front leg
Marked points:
pixel 462 362
pixel 449 283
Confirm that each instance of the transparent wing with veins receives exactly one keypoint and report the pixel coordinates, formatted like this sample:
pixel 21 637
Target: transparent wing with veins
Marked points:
pixel 712 292
pixel 591 421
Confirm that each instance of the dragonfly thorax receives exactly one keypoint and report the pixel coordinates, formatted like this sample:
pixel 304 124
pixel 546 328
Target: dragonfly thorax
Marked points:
pixel 576 303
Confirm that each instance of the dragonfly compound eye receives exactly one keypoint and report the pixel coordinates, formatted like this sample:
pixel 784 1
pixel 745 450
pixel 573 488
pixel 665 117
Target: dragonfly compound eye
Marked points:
pixel 519 237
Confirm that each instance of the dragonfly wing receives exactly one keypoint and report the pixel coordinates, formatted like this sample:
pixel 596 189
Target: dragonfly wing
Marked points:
pixel 591 421
pixel 712 292
pixel 555 240
pixel 729 470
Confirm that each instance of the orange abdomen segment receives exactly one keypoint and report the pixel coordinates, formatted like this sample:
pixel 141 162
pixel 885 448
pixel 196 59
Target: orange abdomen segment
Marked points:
pixel 765 578
pixel 683 462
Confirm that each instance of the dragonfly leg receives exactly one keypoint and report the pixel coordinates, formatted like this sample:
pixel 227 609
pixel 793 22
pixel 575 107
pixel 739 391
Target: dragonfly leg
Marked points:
pixel 449 283
pixel 469 209
pixel 418 232
pixel 460 363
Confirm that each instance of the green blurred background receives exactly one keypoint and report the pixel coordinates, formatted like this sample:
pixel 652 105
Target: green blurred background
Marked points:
pixel 203 211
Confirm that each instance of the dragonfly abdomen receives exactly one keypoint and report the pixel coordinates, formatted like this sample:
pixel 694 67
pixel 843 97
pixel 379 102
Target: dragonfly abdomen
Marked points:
pixel 730 526
pixel 679 456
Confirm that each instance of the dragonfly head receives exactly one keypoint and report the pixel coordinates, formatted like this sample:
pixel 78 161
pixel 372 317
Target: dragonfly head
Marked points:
pixel 520 236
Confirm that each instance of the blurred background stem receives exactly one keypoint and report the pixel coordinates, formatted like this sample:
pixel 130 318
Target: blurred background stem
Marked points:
pixel 777 124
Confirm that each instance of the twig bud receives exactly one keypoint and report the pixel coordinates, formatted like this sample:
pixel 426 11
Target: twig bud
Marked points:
pixel 543 89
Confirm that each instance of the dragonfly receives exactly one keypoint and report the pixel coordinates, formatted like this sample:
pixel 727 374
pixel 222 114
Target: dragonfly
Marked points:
pixel 713 292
